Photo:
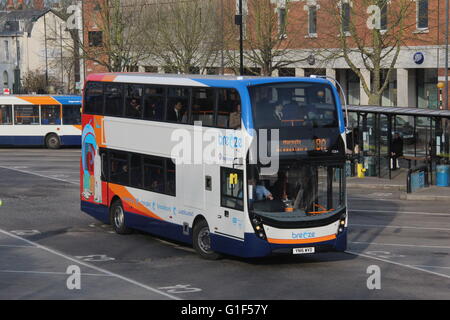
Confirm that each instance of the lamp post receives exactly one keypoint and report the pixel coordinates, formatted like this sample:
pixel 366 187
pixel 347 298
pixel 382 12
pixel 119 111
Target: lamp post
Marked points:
pixel 238 20
pixel 446 52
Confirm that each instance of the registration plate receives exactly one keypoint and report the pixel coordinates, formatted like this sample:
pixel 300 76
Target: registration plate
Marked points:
pixel 303 250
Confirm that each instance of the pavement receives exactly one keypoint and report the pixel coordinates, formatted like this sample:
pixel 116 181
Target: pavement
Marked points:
pixel 44 238
pixel 397 186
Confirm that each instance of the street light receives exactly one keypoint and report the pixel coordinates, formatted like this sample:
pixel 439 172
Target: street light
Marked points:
pixel 446 52
pixel 238 20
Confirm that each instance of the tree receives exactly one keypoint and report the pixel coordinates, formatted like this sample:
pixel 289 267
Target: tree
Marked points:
pixel 35 82
pixel 370 36
pixel 122 24
pixel 185 35
pixel 266 43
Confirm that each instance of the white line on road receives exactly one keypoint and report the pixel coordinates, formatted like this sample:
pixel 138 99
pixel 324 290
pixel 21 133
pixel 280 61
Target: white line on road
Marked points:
pixel 400 212
pixel 397 227
pixel 15 246
pixel 40 175
pixel 434 267
pixel 399 245
pixel 91 266
pixel 53 273
pixel 398 264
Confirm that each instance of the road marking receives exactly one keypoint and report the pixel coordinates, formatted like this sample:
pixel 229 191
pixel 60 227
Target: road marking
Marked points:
pixel 91 266
pixel 15 246
pixel 401 212
pixel 398 264
pixel 399 245
pixel 53 273
pixel 434 267
pixel 396 227
pixel 39 175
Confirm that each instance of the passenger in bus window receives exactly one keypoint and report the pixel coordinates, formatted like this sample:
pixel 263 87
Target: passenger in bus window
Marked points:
pixel 176 113
pixel 278 112
pixel 135 109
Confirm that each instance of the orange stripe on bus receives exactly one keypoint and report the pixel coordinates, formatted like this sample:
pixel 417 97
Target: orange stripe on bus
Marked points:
pixel 41 100
pixel 300 241
pixel 124 195
pixel 109 78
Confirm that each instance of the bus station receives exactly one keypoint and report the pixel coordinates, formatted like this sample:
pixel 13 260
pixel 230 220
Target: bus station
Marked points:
pixel 423 136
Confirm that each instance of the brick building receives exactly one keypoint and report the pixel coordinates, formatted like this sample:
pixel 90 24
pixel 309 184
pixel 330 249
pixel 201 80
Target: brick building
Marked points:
pixel 313 28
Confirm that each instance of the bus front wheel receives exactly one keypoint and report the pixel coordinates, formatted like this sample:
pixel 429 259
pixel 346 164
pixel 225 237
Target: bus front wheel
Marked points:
pixel 117 218
pixel 202 241
pixel 52 141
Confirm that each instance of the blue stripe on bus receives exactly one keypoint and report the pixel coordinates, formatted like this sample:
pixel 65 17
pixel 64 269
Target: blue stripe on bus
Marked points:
pixel 22 140
pixel 70 100
pixel 252 246
pixel 74 140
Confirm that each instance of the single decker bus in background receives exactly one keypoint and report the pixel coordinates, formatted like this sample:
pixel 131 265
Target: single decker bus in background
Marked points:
pixel 144 136
pixel 50 121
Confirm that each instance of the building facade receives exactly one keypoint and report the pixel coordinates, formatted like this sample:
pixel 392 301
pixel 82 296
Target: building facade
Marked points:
pixel 315 31
pixel 33 40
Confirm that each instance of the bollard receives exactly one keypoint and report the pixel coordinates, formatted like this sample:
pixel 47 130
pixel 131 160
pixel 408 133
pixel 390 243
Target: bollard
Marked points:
pixel 360 169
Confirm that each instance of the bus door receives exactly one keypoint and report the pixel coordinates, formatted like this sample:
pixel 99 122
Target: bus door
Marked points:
pixel 231 209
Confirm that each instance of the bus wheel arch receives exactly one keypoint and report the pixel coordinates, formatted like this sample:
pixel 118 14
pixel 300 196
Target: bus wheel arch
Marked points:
pixel 201 240
pixel 52 140
pixel 117 216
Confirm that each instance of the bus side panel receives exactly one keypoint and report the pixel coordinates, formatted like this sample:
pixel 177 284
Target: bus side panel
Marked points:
pixel 164 229
pixel 98 211
pixel 71 140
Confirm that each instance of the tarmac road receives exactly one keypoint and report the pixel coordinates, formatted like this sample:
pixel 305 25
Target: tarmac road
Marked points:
pixel 43 232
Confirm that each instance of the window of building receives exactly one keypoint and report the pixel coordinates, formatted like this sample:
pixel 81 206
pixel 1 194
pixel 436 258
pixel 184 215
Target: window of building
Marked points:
pixel 26 115
pixel 384 15
pixel 231 190
pixel 312 20
pixel 95 38
pixel 114 99
pixel 5 114
pixel 6 44
pixel 345 16
pixel 282 21
pixel 93 101
pixel 51 115
pixel 203 101
pixel 422 14
pixel 5 79
pixel 71 114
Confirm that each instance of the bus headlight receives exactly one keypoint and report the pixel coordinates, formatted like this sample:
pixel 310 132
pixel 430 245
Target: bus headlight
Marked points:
pixel 259 229
pixel 341 226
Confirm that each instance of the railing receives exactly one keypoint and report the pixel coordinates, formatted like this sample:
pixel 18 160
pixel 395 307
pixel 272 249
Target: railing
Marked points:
pixel 417 178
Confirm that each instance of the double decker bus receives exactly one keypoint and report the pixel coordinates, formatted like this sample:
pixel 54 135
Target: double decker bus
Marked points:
pixel 50 121
pixel 246 166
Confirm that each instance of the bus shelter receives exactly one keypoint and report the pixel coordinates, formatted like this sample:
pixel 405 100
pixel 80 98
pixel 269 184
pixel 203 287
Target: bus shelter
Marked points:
pixel 374 133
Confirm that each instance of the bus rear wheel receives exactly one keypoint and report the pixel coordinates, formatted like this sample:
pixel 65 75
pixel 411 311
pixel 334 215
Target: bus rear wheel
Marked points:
pixel 117 218
pixel 52 141
pixel 202 241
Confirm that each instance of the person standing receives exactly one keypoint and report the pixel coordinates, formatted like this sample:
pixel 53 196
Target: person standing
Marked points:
pixel 396 150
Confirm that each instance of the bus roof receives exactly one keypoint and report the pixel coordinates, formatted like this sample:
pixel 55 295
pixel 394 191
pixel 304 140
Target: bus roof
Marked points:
pixel 195 79
pixel 40 99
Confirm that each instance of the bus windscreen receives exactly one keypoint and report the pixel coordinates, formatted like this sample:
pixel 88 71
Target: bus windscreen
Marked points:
pixel 293 104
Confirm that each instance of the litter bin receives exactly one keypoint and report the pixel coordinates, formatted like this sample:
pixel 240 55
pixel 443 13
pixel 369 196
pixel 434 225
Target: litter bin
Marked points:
pixel 442 175
pixel 370 165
